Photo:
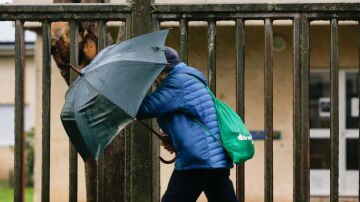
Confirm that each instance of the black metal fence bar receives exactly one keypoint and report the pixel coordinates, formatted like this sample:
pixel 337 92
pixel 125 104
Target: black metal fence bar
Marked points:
pixel 301 182
pixel 184 40
pixel 73 157
pixel 297 154
pixel 73 182
pixel 127 170
pixel 334 128
pixel 304 102
pixel 256 16
pixel 128 26
pixel 268 104
pixel 258 8
pixel 37 16
pixel 19 168
pixel 115 11
pixel 256 11
pixel 141 144
pixel 155 141
pixel 101 162
pixel 102 35
pixel 350 15
pixel 358 42
pixel 65 8
pixel 240 97
pixel 46 95
pixel 57 12
pixel 224 16
pixel 212 55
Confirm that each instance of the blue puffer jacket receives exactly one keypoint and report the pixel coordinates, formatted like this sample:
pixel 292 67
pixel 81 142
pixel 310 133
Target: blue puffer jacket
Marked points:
pixel 179 98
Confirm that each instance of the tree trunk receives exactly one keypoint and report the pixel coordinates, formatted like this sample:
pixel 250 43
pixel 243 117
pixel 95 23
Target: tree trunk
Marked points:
pixel 114 155
pixel 60 41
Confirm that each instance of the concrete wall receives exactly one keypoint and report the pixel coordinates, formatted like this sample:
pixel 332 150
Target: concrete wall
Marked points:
pixel 6 156
pixel 7 81
pixel 320 47
pixel 7 97
pixel 254 90
pixel 254 110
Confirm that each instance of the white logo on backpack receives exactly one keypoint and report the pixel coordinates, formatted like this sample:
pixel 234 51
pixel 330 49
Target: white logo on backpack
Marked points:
pixel 242 137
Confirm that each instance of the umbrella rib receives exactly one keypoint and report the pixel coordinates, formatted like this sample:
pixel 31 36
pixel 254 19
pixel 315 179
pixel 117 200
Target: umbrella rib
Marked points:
pixel 98 67
pixel 98 119
pixel 125 51
pixel 129 59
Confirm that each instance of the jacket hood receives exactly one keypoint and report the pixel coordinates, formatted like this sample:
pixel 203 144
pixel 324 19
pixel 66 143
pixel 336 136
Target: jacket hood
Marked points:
pixel 182 68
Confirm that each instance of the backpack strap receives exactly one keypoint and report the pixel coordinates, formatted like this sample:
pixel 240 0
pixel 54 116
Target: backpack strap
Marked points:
pixel 196 120
pixel 208 131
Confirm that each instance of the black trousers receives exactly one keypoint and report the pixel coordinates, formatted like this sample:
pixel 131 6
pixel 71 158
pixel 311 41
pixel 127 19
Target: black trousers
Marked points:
pixel 186 186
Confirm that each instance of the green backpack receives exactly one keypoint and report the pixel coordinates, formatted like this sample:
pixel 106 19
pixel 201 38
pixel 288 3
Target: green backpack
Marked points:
pixel 235 137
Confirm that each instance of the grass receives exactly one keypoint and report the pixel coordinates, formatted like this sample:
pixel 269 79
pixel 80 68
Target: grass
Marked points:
pixel 7 193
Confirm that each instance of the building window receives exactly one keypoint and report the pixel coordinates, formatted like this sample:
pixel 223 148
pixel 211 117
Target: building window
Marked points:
pixel 319 95
pixel 7 124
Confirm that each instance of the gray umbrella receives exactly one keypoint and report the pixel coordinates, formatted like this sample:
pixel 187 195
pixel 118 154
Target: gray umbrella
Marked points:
pixel 108 93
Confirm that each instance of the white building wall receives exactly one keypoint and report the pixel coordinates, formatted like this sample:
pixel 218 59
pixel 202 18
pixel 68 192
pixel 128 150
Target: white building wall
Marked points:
pixel 7 99
pixel 59 144
pixel 254 114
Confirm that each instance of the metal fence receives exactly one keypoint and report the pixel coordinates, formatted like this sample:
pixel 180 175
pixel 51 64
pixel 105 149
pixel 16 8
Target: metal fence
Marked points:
pixel 141 17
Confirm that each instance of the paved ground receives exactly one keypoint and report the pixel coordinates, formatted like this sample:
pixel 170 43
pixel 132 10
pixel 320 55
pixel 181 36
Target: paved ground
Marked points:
pixel 327 199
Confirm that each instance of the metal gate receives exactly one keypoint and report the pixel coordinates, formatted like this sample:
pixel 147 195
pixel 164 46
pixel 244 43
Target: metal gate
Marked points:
pixel 142 16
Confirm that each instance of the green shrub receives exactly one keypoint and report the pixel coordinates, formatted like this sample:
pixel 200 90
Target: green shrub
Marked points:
pixel 29 164
pixel 30 158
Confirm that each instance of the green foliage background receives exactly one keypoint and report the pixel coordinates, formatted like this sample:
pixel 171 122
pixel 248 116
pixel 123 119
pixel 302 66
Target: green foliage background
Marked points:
pixel 6 187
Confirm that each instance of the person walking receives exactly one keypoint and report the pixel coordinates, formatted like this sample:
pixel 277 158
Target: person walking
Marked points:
pixel 179 102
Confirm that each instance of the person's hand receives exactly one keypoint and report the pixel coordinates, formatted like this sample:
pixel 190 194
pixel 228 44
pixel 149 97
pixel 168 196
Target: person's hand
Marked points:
pixel 166 142
pixel 162 76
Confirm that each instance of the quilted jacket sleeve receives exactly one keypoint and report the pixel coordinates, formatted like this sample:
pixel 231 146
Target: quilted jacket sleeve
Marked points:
pixel 167 98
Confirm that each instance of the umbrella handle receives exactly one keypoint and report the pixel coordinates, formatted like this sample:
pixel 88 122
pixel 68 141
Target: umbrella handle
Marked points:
pixel 148 127
pixel 167 161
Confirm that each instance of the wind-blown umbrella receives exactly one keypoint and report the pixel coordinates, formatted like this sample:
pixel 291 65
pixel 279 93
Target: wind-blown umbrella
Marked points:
pixel 109 91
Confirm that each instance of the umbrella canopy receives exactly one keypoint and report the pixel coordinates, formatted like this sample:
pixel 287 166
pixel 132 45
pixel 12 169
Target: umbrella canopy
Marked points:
pixel 109 91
